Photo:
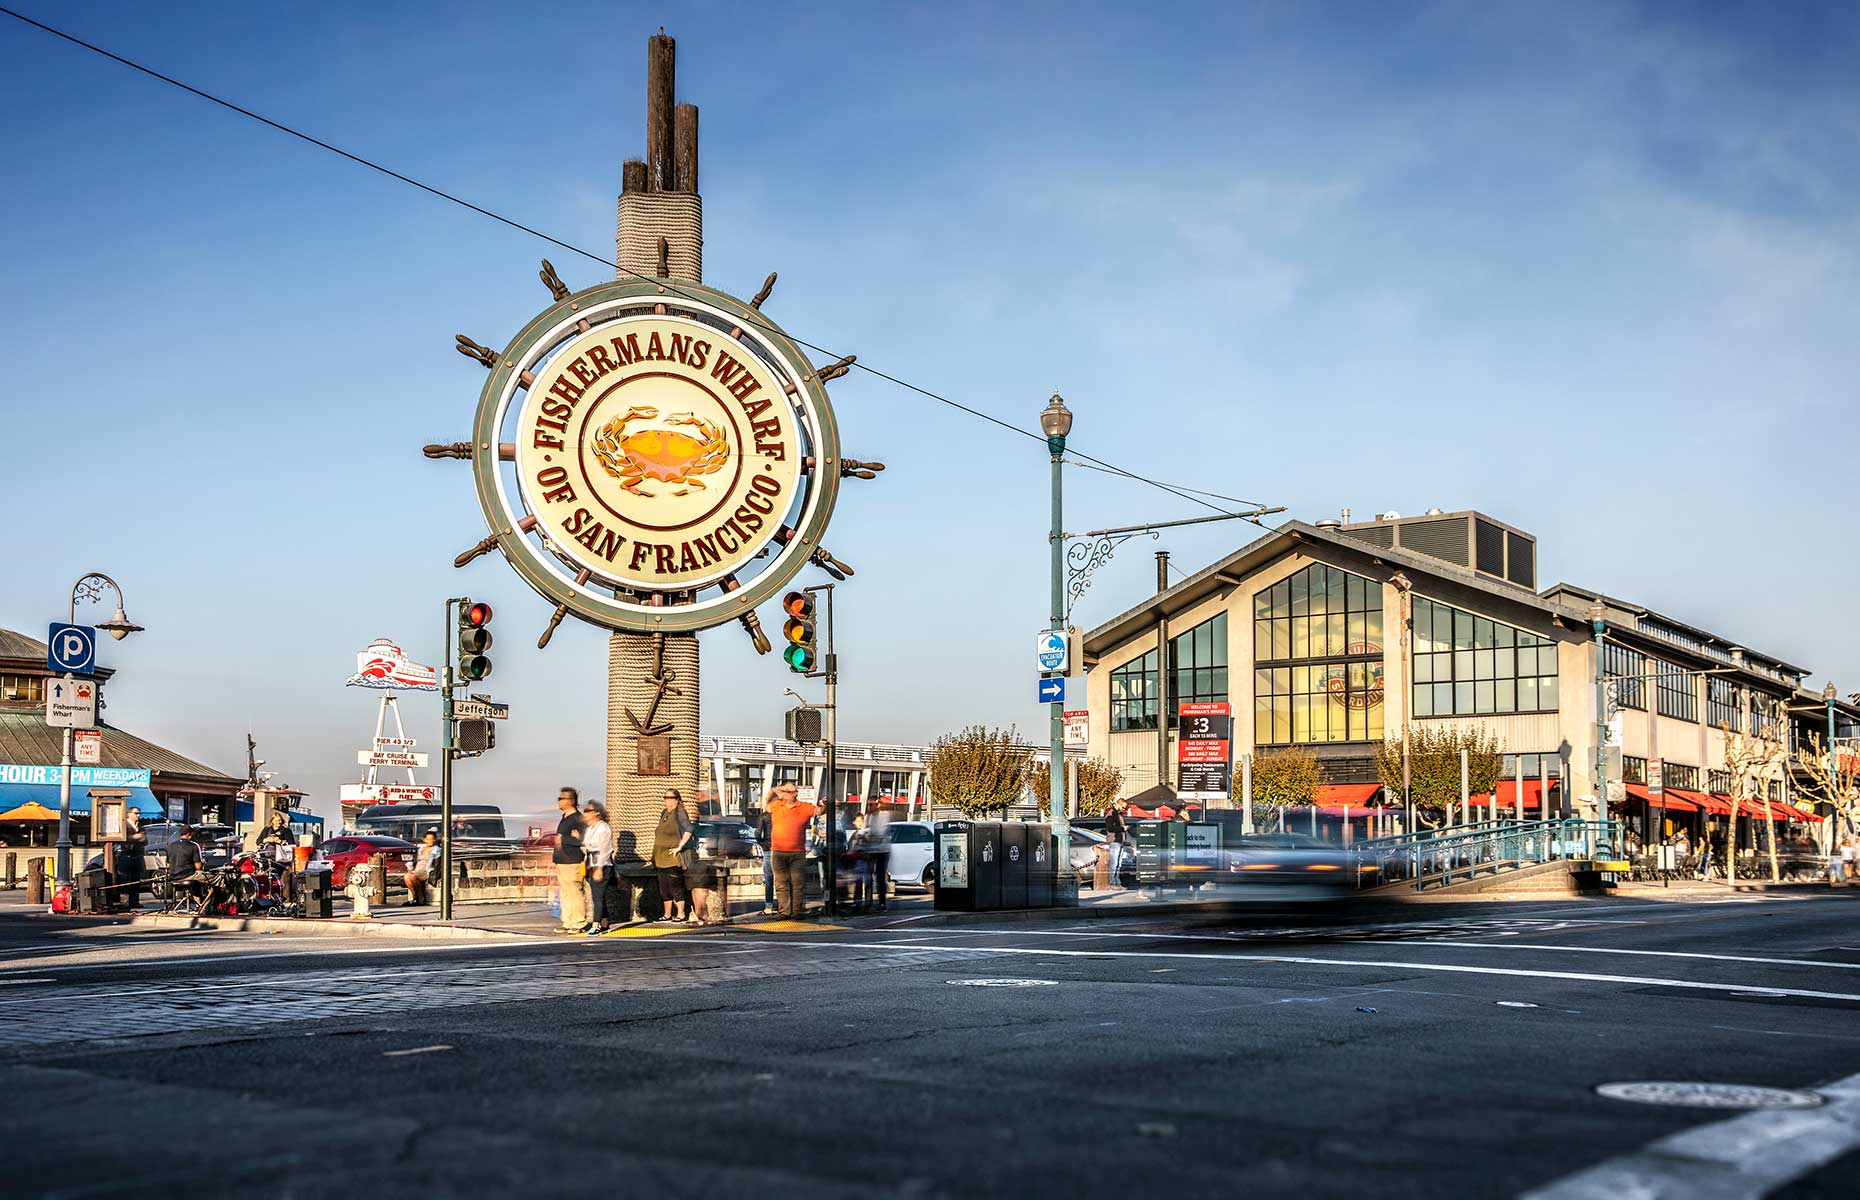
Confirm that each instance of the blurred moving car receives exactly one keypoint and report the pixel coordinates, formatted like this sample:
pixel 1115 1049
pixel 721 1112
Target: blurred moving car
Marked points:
pixel 726 839
pixel 408 821
pixel 913 854
pixel 1082 844
pixel 1288 858
pixel 340 853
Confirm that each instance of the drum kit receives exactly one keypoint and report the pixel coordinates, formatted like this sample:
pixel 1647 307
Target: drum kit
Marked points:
pixel 249 884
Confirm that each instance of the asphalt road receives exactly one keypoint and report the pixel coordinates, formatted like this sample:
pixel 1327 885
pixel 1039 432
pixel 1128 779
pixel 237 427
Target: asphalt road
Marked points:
pixel 1443 1050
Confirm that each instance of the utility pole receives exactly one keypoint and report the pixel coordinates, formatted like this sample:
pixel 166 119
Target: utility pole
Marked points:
pixel 1597 623
pixel 832 664
pixel 446 684
pixel 1056 423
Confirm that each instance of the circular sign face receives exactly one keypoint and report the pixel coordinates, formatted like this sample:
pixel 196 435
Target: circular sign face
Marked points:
pixel 655 456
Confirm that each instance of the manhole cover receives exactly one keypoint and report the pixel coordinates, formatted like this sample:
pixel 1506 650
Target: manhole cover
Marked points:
pixel 1001 982
pixel 1708 1095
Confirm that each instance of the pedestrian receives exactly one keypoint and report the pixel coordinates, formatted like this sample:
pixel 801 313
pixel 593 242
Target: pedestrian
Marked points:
pixel 597 843
pixel 425 867
pixel 788 819
pixel 130 860
pixel 571 866
pixel 1114 835
pixel 669 839
pixel 1847 859
pixel 878 858
pixel 854 866
pixel 768 864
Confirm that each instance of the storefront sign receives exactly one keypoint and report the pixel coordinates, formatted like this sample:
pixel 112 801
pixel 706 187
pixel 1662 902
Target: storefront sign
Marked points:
pixel 80 776
pixel 655 460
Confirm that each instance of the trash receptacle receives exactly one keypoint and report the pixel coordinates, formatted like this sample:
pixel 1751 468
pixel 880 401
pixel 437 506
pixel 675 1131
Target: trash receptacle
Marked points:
pixel 985 863
pixel 953 882
pixel 1041 851
pixel 1014 864
pixel 1159 849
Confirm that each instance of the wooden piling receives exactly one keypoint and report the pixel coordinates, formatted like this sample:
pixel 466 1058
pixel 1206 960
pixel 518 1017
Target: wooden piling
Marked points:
pixel 661 52
pixel 633 175
pixel 685 148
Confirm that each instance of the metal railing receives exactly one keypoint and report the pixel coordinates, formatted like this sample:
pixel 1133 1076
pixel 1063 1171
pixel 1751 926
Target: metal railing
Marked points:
pixel 1438 858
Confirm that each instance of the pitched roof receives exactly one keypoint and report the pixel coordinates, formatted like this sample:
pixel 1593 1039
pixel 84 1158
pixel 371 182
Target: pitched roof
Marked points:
pixel 18 645
pixel 25 738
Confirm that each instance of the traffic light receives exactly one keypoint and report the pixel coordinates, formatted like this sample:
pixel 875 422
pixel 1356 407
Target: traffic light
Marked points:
pixel 474 640
pixel 798 629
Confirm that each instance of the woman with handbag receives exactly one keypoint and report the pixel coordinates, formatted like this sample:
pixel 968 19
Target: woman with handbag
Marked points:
pixel 669 841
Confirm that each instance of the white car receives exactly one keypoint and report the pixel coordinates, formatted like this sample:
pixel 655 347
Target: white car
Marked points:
pixel 913 853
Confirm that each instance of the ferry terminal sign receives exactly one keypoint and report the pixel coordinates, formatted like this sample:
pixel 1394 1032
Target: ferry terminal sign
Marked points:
pixel 655 459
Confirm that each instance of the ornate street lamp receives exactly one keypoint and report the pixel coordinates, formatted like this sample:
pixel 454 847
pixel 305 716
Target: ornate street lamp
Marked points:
pixel 1056 423
pixel 89 587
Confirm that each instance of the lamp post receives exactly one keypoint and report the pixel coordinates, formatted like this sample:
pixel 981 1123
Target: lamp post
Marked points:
pixel 1597 622
pixel 1828 695
pixel 119 626
pixel 1056 423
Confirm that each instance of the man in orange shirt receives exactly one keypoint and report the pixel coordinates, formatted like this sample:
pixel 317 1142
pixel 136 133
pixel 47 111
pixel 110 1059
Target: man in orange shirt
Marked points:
pixel 788 819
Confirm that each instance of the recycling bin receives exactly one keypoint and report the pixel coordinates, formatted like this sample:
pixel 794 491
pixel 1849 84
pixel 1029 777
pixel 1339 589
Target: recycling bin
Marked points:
pixel 985 863
pixel 1014 864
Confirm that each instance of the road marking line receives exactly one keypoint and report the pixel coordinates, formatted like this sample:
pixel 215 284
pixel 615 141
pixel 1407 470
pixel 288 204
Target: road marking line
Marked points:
pixel 414 1050
pixel 1358 963
pixel 1781 962
pixel 1745 1157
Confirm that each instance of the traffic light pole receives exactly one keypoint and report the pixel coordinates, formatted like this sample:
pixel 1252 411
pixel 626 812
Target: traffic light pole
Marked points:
pixel 446 685
pixel 830 664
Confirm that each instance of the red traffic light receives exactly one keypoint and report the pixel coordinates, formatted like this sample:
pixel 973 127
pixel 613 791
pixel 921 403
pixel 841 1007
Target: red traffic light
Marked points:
pixel 798 604
pixel 478 614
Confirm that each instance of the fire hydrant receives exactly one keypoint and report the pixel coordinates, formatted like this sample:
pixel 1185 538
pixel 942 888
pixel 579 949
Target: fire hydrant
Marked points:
pixel 360 888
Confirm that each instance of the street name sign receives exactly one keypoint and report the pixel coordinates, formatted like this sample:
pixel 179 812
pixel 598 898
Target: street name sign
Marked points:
pixel 390 758
pixel 71 649
pixel 87 746
pixel 1077 727
pixel 479 710
pixel 1052 691
pixel 1052 651
pixel 70 703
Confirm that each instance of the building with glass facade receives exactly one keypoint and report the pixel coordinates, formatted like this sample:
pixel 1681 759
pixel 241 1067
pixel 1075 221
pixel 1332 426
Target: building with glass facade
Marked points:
pixel 1332 636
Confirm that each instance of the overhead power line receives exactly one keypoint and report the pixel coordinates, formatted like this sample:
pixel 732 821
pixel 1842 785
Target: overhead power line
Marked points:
pixel 1193 495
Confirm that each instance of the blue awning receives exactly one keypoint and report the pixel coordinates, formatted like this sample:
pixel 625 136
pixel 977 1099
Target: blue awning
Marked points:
pixel 298 815
pixel 12 795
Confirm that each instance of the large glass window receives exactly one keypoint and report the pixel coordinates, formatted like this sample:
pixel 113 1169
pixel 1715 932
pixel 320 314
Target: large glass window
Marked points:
pixel 1627 667
pixel 22 689
pixel 1133 694
pixel 1766 716
pixel 1535 765
pixel 1721 707
pixel 1718 782
pixel 1677 692
pixel 1467 665
pixel 1673 775
pixel 1198 664
pixel 1317 650
pixel 1633 770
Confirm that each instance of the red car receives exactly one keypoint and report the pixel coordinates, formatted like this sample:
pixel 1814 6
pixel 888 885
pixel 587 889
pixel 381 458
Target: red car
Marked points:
pixel 350 849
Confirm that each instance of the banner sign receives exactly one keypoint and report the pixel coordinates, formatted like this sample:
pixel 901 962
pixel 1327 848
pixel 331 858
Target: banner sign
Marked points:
pixel 80 776
pixel 385 665
pixel 1204 754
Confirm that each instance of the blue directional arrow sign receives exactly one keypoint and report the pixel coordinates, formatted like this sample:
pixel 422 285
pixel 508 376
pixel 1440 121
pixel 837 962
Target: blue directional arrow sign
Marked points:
pixel 71 649
pixel 1053 691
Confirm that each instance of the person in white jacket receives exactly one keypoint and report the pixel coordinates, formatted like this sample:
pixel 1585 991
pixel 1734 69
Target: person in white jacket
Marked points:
pixel 597 843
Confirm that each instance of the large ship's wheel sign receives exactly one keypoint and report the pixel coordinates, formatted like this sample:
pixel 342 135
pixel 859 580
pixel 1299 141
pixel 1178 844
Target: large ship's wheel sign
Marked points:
pixel 655 457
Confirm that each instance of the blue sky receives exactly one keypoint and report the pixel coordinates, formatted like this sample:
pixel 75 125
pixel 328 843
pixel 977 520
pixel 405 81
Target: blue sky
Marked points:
pixel 1589 268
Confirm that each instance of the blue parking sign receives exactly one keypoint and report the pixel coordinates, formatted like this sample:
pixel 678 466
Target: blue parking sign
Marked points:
pixel 71 649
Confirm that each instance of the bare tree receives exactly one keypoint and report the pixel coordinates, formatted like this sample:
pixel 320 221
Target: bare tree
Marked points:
pixel 1751 762
pixel 1833 779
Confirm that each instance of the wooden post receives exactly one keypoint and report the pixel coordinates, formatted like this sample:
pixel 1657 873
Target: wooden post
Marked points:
pixel 685 148
pixel 661 55
pixel 633 175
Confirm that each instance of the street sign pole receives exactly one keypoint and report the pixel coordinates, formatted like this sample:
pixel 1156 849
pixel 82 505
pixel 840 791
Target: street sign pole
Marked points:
pixel 445 771
pixel 63 875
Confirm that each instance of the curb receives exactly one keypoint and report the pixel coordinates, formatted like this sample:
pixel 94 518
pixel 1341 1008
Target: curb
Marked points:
pixel 331 928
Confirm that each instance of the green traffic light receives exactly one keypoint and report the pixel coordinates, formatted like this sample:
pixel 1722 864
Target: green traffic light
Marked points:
pixel 798 658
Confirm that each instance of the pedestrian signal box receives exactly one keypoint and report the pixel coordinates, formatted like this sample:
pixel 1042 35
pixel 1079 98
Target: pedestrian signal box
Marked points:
pixel 798 630
pixel 805 725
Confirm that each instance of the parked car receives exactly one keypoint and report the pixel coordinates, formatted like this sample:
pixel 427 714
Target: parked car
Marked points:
pixel 726 839
pixel 408 821
pixel 341 853
pixel 913 853
pixel 1082 844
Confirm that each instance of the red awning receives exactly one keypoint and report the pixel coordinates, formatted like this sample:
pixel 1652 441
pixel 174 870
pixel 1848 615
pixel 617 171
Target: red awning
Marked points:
pixel 1337 795
pixel 1670 802
pixel 1703 801
pixel 1508 795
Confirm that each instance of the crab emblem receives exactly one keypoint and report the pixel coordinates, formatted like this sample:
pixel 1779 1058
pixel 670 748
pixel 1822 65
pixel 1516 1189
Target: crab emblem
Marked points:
pixel 661 455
